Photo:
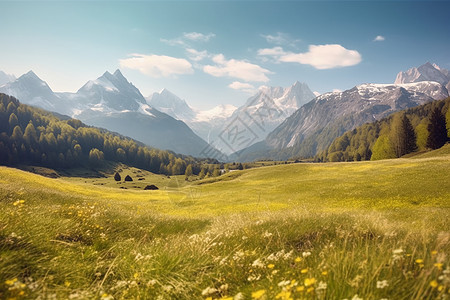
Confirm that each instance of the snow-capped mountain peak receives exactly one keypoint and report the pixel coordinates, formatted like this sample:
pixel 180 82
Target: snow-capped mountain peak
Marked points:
pixel 111 92
pixel 222 111
pixel 426 72
pixel 5 78
pixel 172 105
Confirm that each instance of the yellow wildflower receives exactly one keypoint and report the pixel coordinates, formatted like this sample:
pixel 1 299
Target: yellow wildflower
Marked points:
pixel 438 265
pixel 11 281
pixel 298 259
pixel 310 290
pixel 66 283
pixel 270 266
pixel 434 284
pixel 324 273
pixel 419 261
pixel 304 271
pixel 434 252
pixel 258 294
pixel 309 281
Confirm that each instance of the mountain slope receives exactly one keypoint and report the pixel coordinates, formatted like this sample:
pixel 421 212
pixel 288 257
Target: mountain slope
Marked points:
pixel 426 72
pixel 169 103
pixel 32 90
pixel 5 78
pixel 315 125
pixel 111 102
pixel 37 137
pixel 357 144
pixel 255 119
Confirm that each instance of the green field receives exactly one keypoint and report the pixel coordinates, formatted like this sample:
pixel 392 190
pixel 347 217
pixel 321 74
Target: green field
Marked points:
pixel 363 230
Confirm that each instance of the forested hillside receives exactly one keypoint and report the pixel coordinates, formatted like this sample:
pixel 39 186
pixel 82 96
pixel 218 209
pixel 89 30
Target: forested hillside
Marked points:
pixel 33 136
pixel 419 128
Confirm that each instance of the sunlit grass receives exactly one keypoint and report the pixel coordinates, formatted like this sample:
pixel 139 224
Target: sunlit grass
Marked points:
pixel 369 230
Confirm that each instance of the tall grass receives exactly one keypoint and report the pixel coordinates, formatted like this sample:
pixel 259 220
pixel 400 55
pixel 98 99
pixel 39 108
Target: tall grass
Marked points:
pixel 334 231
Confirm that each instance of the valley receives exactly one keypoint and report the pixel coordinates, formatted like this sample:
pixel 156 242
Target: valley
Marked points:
pixel 224 150
pixel 331 230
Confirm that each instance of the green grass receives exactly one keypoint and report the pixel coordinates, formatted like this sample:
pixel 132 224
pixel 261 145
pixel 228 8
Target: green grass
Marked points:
pixel 245 233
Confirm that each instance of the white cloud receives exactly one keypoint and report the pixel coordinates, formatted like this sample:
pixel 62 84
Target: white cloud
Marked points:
pixel 280 39
pixel 196 55
pixel 239 69
pixel 379 38
pixel 325 57
pixel 236 85
pixel 242 86
pixel 275 51
pixel 174 42
pixel 157 65
pixel 188 36
pixel 197 36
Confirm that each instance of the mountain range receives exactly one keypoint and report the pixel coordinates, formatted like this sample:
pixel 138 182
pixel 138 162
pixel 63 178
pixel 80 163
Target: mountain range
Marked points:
pixel 254 120
pixel 275 123
pixel 315 125
pixel 113 103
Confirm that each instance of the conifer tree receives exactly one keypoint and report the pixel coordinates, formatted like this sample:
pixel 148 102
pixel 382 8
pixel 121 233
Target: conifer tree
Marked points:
pixel 437 130
pixel 403 137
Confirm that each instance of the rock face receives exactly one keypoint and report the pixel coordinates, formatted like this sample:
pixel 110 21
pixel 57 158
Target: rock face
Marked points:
pixel 128 178
pixel 426 72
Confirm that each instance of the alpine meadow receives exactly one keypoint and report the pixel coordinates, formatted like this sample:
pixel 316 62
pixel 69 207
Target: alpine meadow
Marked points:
pixel 213 150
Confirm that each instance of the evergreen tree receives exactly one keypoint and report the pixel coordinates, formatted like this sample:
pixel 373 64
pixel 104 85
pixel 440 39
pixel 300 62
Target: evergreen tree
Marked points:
pixel 202 174
pixel 216 172
pixel 447 120
pixel 437 130
pixel 409 136
pixel 240 167
pixel 13 121
pixel 95 157
pixel 403 137
pixel 188 171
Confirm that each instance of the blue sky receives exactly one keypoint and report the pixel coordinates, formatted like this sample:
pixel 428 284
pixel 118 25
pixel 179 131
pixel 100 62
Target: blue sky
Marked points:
pixel 219 52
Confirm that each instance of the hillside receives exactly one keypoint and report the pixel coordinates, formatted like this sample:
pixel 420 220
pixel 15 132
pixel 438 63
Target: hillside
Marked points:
pixel 33 136
pixel 114 103
pixel 358 144
pixel 309 231
pixel 313 127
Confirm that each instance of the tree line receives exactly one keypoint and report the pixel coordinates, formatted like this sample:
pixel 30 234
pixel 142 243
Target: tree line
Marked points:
pixel 415 129
pixel 30 135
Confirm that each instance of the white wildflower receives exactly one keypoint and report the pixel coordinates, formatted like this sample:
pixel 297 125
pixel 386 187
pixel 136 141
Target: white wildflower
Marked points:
pixel 322 286
pixel 209 291
pixel 239 296
pixel 267 234
pixel 258 264
pixel 306 254
pixel 382 284
pixel 284 283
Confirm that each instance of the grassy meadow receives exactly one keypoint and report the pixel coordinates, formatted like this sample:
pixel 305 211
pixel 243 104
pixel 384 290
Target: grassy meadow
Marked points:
pixel 362 230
